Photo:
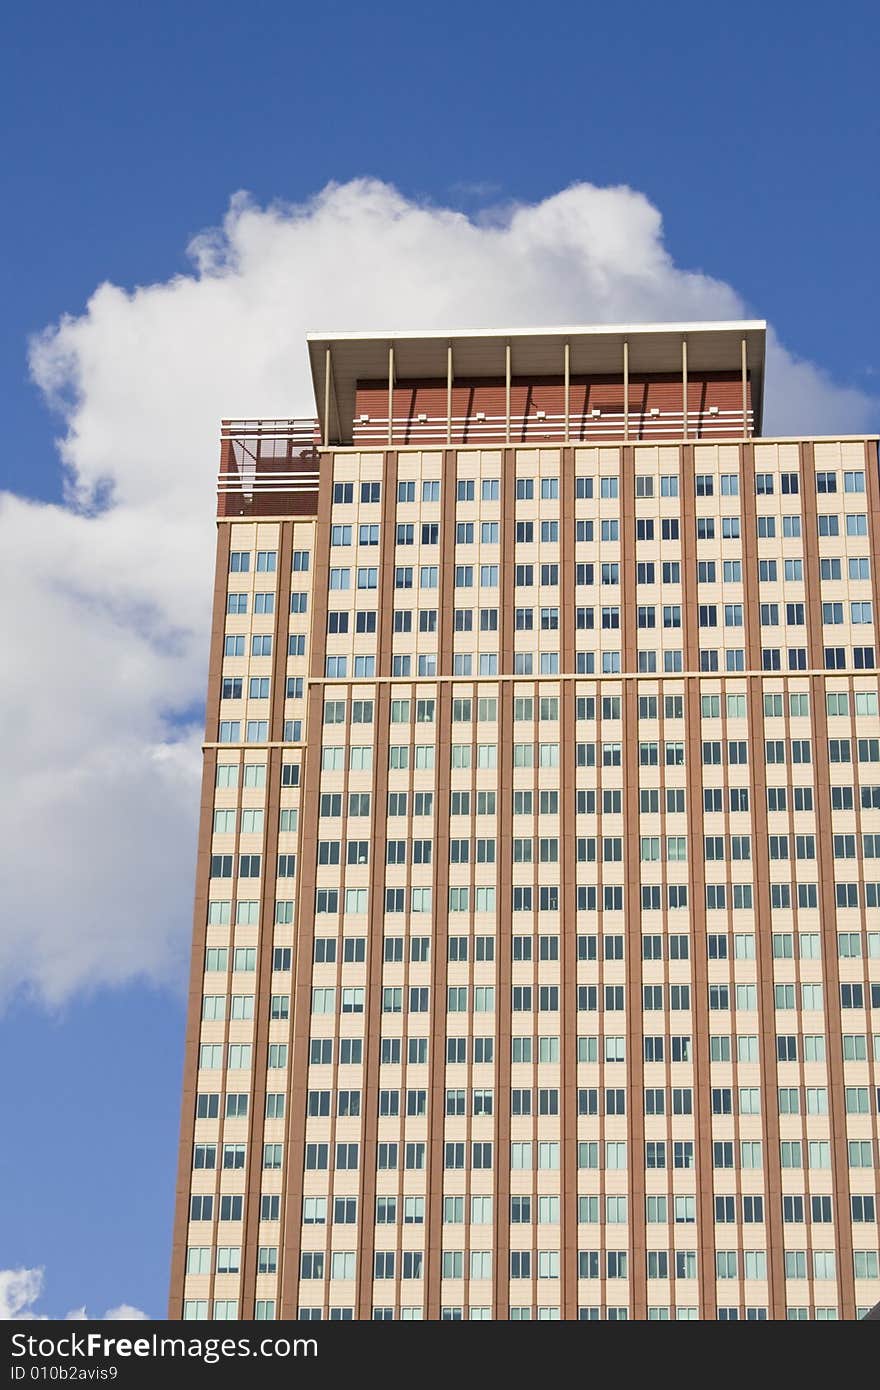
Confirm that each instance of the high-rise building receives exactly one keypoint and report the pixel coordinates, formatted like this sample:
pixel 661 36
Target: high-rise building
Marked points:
pixel 536 966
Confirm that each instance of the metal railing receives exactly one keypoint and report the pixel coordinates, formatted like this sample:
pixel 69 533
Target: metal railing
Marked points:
pixel 267 482
pixel 269 456
pixel 305 430
pixel 597 424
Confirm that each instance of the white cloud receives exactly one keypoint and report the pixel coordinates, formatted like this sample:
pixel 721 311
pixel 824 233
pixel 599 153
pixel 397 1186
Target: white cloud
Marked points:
pixel 124 1313
pixel 112 589
pixel 20 1289
pixel 801 398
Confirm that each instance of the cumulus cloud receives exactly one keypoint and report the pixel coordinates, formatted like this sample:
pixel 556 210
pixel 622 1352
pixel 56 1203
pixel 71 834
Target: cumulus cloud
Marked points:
pixel 20 1289
pixel 124 1312
pixel 112 587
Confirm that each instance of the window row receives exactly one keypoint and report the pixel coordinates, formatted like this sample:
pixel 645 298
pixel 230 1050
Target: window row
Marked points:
pixel 606 529
pixel 266 561
pixel 261 645
pixel 647 572
pixel 528 1155
pixel 714 753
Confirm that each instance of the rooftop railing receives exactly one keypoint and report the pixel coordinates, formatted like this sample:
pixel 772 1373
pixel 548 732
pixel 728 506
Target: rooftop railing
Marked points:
pixel 712 422
pixel 260 456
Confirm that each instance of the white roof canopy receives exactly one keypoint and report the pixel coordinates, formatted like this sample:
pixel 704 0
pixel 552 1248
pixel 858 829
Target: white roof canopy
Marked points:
pixel 534 352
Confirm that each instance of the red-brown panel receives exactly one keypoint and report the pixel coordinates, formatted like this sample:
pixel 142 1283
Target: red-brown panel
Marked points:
pixel 268 504
pixel 533 398
pixel 269 496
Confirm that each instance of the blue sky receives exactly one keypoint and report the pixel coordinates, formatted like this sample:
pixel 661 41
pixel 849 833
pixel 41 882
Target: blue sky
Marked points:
pixel 754 135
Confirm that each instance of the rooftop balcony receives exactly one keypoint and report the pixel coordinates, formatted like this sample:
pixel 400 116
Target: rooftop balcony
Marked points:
pixel 268 468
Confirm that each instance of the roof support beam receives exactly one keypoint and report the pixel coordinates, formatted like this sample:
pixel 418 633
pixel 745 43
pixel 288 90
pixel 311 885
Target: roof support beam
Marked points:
pixel 507 393
pixel 390 394
pixel 449 394
pixel 625 389
pixel 567 373
pixel 745 388
pixel 593 352
pixel 684 387
pixel 328 369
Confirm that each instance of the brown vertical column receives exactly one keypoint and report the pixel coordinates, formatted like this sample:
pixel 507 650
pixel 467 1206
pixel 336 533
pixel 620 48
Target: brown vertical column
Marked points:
pixel 501 1215
pixel 827 904
pixel 697 894
pixel 200 922
pixel 635 1109
pixel 568 905
pixel 761 892
pixel 250 1229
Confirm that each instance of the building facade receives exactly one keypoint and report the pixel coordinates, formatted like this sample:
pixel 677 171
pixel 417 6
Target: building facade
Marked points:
pixel 536 966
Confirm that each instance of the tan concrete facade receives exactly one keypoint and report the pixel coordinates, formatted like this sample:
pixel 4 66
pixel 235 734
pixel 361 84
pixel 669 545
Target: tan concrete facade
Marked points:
pixel 537 945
